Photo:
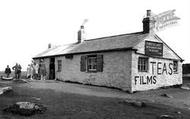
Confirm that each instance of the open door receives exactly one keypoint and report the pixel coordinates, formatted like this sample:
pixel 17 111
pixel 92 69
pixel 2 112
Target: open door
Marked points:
pixel 52 69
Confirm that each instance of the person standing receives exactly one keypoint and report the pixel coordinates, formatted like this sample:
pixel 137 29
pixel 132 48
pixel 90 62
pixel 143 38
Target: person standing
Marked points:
pixel 7 71
pixel 42 71
pixel 19 71
pixel 15 68
pixel 30 71
pixel 35 71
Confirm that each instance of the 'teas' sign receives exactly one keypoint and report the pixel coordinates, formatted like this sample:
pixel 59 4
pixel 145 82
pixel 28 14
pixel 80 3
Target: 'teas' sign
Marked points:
pixel 153 48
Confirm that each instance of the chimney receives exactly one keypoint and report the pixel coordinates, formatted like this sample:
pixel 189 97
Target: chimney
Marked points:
pixel 81 34
pixel 148 22
pixel 49 45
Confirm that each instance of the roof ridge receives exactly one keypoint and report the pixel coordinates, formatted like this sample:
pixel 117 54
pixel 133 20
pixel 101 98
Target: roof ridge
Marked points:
pixel 68 44
pixel 114 36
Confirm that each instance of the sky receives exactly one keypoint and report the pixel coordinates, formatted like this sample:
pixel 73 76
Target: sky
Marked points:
pixel 28 26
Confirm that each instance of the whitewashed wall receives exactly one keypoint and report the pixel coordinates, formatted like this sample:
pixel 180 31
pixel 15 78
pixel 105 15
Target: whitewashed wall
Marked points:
pixel 116 71
pixel 167 53
pixel 121 69
pixel 160 73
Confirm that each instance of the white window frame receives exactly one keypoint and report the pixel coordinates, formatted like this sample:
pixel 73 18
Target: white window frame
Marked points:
pixel 59 65
pixel 92 63
pixel 143 64
pixel 175 66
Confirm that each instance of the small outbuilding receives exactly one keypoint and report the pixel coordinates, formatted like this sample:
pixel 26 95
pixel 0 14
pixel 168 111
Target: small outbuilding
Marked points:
pixel 131 62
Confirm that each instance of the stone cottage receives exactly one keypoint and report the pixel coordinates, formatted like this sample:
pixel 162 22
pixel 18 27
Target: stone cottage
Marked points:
pixel 131 62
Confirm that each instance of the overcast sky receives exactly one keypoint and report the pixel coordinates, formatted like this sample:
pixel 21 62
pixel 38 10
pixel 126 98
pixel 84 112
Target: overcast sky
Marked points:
pixel 27 26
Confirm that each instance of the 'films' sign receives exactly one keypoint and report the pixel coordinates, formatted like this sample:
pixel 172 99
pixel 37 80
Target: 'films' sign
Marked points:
pixel 153 48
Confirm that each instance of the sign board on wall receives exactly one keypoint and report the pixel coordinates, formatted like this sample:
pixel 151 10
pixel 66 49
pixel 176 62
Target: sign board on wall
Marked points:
pixel 153 48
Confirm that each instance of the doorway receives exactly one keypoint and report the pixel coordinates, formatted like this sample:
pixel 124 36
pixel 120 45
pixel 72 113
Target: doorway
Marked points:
pixel 52 69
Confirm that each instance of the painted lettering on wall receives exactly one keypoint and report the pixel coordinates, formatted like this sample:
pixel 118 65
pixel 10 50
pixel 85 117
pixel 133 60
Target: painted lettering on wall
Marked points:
pixel 161 68
pixel 145 80
pixel 155 69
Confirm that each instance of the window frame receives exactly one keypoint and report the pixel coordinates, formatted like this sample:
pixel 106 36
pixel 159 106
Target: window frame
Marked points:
pixel 175 66
pixel 92 63
pixel 59 65
pixel 143 64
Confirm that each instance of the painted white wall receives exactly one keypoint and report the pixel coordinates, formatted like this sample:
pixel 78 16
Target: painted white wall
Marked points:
pixel 167 53
pixel 116 71
pixel 166 78
pixel 163 79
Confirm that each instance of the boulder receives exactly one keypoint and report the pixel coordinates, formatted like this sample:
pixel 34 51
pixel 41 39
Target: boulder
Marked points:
pixel 6 78
pixel 186 86
pixel 166 95
pixel 19 81
pixel 25 108
pixel 5 90
pixel 166 117
pixel 134 103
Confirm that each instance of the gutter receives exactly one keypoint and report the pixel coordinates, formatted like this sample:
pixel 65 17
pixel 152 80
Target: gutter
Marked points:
pixel 99 51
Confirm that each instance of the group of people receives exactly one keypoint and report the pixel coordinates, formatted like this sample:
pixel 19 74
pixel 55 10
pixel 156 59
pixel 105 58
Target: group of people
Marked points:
pixel 36 71
pixel 17 68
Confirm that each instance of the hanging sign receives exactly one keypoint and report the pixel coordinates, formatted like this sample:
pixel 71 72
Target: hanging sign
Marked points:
pixel 165 19
pixel 153 48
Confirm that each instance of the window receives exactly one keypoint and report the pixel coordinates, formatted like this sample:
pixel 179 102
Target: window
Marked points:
pixel 92 63
pixel 69 56
pixel 175 66
pixel 59 65
pixel 143 64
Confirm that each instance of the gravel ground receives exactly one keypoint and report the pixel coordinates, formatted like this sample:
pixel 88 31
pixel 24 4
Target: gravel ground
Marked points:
pixel 180 98
pixel 76 101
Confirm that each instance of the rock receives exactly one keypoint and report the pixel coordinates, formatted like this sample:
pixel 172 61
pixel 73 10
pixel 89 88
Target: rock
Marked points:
pixel 36 98
pixel 185 87
pixel 166 117
pixel 6 78
pixel 134 103
pixel 5 90
pixel 25 108
pixel 19 81
pixel 166 95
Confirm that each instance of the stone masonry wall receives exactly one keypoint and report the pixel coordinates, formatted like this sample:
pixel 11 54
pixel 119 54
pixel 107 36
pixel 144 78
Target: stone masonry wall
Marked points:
pixel 160 73
pixel 160 70
pixel 116 70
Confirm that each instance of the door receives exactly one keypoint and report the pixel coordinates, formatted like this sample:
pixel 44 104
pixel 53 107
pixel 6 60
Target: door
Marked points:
pixel 52 69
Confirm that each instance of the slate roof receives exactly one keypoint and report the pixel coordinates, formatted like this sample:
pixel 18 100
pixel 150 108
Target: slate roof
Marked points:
pixel 117 42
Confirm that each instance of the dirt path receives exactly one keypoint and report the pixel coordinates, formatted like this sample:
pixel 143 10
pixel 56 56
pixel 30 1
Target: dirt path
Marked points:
pixel 179 98
pixel 77 101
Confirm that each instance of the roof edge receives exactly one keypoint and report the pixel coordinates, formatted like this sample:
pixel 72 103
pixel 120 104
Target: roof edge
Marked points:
pixel 99 51
pixel 169 48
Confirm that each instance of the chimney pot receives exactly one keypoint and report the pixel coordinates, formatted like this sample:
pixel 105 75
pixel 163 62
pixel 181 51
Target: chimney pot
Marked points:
pixel 81 34
pixel 148 13
pixel 82 27
pixel 148 22
pixel 49 45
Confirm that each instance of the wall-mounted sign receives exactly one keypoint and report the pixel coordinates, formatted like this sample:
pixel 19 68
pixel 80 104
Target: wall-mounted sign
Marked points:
pixel 153 48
